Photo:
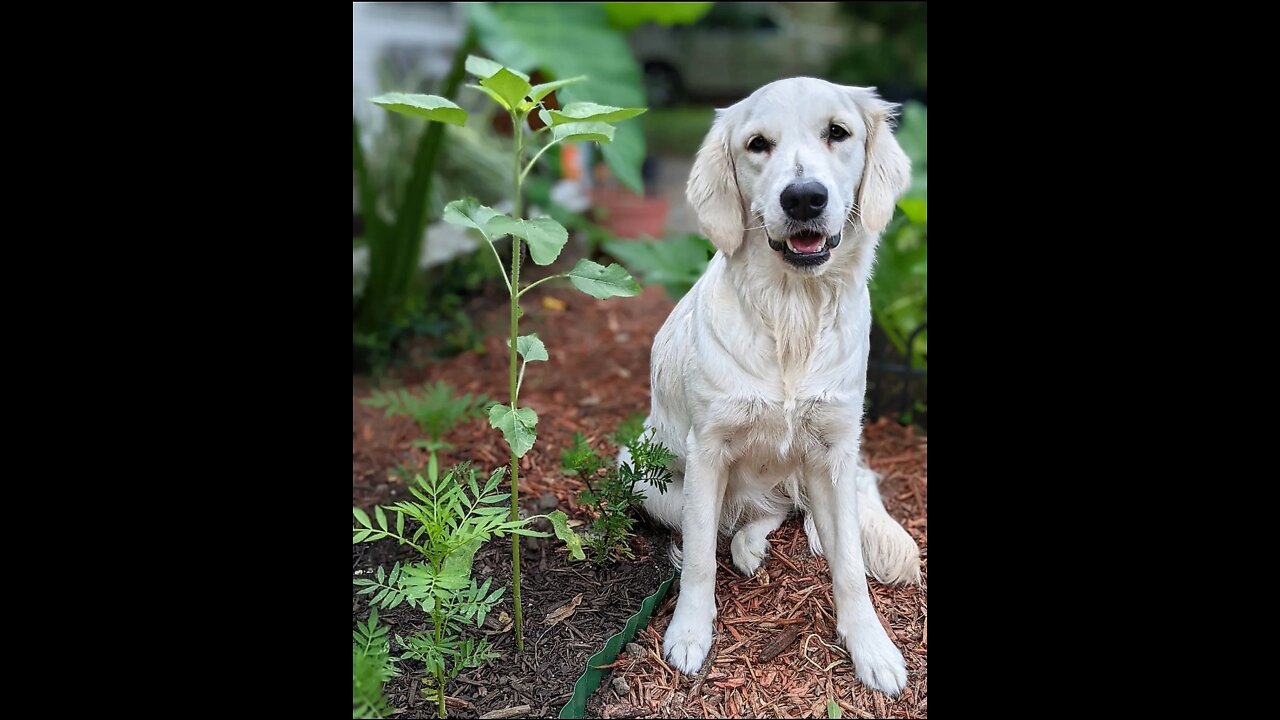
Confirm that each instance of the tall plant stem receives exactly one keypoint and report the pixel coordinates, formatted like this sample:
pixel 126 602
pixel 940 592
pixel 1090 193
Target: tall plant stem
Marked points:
pixel 517 131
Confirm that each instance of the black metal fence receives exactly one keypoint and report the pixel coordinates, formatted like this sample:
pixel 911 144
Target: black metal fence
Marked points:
pixel 895 387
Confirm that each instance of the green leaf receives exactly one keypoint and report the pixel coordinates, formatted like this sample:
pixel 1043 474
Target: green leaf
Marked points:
pixel 602 282
pixel 492 94
pixel 380 516
pixel 568 39
pixel 589 111
pixel 470 213
pixel 530 348
pixel 675 263
pixel 560 522
pixel 529 532
pixel 833 710
pixel 458 563
pixel 545 236
pixel 486 68
pixel 362 517
pixel 627 15
pixel 540 91
pixel 426 107
pixel 517 426
pixel 361 536
pixel 582 131
pixel 916 209
pixel 509 86
pixel 400 524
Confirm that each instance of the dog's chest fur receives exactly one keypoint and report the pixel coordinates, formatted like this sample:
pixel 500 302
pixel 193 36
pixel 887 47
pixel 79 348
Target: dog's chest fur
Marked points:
pixel 797 389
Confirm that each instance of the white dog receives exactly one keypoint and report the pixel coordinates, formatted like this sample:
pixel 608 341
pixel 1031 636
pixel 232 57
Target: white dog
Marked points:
pixel 759 373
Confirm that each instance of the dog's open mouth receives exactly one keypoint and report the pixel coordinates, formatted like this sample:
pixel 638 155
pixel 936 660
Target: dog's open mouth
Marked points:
pixel 806 248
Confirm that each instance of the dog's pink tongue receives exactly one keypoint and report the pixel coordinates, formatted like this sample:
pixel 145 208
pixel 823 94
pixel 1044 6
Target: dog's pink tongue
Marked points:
pixel 806 244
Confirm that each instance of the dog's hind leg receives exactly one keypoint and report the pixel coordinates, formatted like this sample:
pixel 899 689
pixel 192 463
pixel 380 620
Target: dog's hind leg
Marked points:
pixel 751 542
pixel 890 553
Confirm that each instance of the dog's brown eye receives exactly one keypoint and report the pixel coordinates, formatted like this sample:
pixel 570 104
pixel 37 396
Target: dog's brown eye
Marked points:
pixel 837 133
pixel 758 144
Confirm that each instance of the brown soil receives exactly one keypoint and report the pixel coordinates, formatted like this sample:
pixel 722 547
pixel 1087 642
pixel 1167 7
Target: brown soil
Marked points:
pixel 598 376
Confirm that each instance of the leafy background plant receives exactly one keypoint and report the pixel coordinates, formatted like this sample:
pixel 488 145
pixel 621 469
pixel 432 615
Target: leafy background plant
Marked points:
pixel 435 409
pixel 899 285
pixel 392 291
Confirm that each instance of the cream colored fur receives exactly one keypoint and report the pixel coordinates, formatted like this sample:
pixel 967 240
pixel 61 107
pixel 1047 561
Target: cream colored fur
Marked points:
pixel 759 373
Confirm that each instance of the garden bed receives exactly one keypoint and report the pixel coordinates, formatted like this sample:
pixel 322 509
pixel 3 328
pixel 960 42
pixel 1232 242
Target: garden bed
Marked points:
pixel 598 376
pixel 555 653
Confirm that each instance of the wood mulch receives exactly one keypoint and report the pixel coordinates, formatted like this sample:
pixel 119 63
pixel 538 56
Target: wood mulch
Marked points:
pixel 775 652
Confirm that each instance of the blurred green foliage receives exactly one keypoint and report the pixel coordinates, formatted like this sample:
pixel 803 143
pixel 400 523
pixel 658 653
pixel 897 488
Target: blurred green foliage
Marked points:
pixel 397 299
pixel 675 263
pixel 626 15
pixel 899 284
pixel 565 40
pixel 888 46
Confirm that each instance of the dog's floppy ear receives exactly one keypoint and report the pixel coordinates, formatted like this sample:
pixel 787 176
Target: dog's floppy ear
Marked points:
pixel 887 172
pixel 713 189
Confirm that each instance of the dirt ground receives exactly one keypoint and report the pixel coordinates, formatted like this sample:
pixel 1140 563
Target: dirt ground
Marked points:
pixel 775 652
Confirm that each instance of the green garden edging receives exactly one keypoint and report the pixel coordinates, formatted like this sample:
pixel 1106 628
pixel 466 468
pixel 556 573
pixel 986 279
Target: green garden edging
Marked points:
pixel 590 678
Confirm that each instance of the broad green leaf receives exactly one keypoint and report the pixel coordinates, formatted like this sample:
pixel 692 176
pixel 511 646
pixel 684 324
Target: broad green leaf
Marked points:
pixel 427 107
pixel 530 347
pixel 833 710
pixel 400 524
pixel 510 87
pixel 591 112
pixel 603 282
pixel 560 522
pixel 380 516
pixel 486 68
pixel 544 116
pixel 582 131
pixel 545 236
pixel 492 94
pixel 626 15
pixel 458 564
pixel 361 536
pixel 916 209
pixel 540 91
pixel 529 532
pixel 517 426
pixel 361 516
pixel 470 213
pixel 565 40
pixel 675 263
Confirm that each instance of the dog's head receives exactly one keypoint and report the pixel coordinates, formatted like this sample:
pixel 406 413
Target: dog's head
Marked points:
pixel 804 160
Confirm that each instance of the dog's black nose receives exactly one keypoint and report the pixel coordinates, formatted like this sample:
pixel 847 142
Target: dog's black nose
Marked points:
pixel 804 200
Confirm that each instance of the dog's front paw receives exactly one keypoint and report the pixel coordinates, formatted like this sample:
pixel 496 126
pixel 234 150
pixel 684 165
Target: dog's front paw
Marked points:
pixel 749 548
pixel 876 660
pixel 687 643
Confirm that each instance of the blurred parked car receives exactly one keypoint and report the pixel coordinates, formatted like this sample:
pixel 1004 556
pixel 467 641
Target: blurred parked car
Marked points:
pixel 736 48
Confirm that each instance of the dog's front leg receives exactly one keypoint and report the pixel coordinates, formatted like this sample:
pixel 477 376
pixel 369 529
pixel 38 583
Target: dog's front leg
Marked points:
pixel 834 506
pixel 688 638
